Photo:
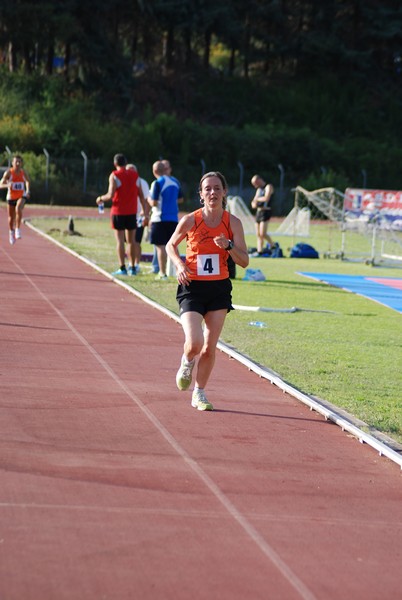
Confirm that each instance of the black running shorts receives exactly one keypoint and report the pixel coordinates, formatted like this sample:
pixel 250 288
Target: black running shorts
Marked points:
pixel 123 222
pixel 263 215
pixel 162 232
pixel 205 296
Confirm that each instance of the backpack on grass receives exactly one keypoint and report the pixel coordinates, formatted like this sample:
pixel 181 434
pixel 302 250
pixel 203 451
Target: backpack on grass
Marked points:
pixel 301 250
pixel 276 251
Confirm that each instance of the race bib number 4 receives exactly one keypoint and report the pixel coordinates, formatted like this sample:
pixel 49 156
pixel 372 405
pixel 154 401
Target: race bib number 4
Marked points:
pixel 208 265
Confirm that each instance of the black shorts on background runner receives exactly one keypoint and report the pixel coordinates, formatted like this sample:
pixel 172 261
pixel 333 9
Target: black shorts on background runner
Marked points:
pixel 122 222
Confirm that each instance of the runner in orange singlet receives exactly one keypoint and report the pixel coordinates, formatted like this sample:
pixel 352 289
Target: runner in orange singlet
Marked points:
pixel 17 182
pixel 204 290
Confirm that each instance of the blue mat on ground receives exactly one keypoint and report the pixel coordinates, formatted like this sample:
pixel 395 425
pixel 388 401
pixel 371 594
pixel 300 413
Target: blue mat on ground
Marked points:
pixel 384 290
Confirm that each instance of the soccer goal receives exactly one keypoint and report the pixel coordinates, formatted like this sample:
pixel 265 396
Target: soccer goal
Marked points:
pixel 296 224
pixel 318 207
pixel 238 208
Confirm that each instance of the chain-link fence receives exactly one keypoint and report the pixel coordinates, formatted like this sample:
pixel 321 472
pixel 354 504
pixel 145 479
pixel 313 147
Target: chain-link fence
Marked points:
pixel 78 180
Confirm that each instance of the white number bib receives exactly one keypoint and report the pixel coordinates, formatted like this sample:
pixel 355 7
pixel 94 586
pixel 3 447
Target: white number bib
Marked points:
pixel 17 185
pixel 207 265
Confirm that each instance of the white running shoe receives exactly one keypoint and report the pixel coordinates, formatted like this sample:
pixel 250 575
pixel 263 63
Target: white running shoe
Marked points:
pixel 200 401
pixel 18 234
pixel 184 374
pixel 11 237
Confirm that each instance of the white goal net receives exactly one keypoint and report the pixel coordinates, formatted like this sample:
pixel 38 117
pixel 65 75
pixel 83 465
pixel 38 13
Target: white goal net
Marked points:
pixel 238 208
pixel 296 224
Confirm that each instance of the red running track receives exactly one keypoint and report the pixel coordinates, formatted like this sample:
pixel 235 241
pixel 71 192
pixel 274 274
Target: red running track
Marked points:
pixel 113 487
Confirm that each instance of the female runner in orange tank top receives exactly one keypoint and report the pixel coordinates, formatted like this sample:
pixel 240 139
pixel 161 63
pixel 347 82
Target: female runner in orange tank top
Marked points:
pixel 17 182
pixel 204 287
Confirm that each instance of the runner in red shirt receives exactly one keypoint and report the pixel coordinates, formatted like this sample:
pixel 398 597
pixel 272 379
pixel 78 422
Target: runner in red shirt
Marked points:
pixel 124 191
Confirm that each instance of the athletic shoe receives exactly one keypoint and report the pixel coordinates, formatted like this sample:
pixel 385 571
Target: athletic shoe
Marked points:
pixel 11 237
pixel 120 272
pixel 184 374
pixel 137 269
pixel 199 401
pixel 161 277
pixel 132 270
pixel 17 234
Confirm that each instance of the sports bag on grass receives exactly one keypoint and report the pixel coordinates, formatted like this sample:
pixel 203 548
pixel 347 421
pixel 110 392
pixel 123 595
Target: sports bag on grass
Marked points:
pixel 301 250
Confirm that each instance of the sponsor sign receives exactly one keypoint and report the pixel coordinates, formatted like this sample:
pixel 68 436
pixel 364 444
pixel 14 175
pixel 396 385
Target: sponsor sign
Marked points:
pixel 383 207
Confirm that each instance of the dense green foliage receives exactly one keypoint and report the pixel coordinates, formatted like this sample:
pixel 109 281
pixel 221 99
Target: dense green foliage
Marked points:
pixel 241 86
pixel 89 40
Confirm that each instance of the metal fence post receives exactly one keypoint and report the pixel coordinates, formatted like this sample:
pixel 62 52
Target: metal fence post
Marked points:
pixel 239 164
pixel 281 181
pixel 9 153
pixel 84 156
pixel 46 153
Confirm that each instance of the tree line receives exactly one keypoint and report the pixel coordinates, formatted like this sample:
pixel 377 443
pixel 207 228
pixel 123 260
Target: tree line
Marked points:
pixel 92 40
pixel 314 86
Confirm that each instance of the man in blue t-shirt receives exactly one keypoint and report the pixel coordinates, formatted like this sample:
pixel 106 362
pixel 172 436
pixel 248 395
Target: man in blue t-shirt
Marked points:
pixel 165 196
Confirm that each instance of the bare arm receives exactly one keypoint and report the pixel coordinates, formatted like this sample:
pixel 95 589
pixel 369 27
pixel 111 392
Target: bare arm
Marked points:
pixel 268 191
pixel 144 203
pixel 261 201
pixel 110 193
pixel 172 248
pixel 4 183
pixel 239 251
pixel 27 184
pixel 254 201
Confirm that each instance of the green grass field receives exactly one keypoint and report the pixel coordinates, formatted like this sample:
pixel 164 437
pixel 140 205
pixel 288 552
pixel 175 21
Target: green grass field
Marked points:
pixel 347 350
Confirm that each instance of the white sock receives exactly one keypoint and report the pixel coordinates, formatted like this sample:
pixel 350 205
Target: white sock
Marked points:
pixel 187 362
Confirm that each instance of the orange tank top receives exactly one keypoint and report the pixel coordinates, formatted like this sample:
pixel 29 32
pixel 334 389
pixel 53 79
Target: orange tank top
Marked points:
pixel 17 185
pixel 205 260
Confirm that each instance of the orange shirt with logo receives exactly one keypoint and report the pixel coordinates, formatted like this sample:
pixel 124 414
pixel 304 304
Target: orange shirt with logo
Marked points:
pixel 17 184
pixel 205 260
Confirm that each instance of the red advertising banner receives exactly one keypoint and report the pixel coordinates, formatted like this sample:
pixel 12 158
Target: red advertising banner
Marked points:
pixel 382 206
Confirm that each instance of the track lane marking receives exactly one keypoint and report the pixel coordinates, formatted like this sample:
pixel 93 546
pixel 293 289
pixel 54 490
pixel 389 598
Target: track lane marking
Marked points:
pixel 236 515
